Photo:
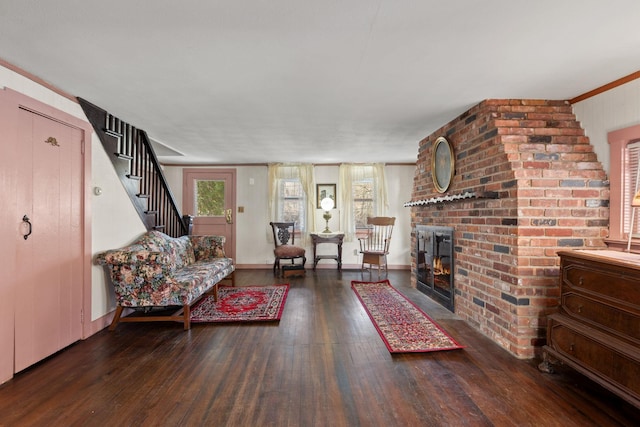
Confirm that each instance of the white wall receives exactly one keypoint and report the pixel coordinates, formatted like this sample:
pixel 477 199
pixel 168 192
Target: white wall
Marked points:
pixel 252 227
pixel 615 109
pixel 114 220
pixel 251 230
pixel 115 223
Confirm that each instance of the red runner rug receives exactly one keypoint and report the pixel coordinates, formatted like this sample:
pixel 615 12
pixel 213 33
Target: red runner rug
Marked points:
pixel 403 327
pixel 242 304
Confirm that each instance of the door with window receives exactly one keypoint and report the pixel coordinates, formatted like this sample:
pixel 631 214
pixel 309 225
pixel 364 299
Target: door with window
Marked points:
pixel 209 195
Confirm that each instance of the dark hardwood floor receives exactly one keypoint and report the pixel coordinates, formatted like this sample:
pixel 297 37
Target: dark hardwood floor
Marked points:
pixel 323 364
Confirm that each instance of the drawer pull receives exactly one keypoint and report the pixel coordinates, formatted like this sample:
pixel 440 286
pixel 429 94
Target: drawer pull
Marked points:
pixel 580 308
pixel 581 281
pixel 572 348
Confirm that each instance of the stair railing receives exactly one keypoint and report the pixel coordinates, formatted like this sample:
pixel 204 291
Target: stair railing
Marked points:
pixel 139 171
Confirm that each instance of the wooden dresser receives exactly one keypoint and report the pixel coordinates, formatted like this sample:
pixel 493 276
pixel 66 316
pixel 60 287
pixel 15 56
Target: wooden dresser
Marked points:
pixel 597 327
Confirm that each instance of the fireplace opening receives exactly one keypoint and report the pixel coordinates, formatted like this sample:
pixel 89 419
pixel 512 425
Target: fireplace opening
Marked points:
pixel 434 263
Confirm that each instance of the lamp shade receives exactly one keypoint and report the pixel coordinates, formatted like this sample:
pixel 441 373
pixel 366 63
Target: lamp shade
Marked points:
pixel 327 204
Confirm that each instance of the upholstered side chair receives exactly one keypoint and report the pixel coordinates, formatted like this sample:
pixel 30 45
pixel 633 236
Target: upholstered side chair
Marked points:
pixel 284 235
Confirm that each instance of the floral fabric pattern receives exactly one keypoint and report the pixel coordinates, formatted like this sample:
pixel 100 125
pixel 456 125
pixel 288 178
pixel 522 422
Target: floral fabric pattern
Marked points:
pixel 207 247
pixel 159 270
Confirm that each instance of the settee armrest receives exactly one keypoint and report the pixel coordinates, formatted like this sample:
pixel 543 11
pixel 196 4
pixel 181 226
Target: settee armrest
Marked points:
pixel 208 247
pixel 128 257
pixel 140 277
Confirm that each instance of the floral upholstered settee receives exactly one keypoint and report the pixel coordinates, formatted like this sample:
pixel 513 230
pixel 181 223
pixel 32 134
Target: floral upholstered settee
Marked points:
pixel 162 271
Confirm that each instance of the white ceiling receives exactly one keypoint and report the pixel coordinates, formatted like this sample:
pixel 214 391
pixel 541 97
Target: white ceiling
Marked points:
pixel 255 81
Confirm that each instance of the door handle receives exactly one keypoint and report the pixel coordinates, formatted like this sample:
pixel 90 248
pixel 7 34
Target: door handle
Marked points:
pixel 229 217
pixel 26 219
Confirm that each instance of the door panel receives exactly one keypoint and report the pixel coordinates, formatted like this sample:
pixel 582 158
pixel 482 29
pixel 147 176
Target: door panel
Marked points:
pixel 214 211
pixel 49 293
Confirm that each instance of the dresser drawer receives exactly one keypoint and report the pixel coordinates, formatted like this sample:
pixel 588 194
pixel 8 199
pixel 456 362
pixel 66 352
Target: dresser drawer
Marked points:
pixel 601 357
pixel 619 285
pixel 614 319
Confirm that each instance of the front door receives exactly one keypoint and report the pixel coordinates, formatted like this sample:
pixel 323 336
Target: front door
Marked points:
pixel 209 195
pixel 49 255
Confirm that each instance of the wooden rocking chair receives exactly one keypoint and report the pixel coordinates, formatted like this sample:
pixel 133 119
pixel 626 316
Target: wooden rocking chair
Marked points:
pixel 374 247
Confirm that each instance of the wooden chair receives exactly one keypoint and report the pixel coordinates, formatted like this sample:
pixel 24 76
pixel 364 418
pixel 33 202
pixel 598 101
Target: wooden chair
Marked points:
pixel 284 240
pixel 374 247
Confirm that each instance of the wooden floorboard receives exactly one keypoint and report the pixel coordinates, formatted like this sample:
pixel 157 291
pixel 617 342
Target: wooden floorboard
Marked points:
pixel 322 364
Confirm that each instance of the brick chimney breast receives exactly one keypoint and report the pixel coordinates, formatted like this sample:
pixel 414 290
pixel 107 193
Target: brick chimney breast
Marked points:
pixel 548 192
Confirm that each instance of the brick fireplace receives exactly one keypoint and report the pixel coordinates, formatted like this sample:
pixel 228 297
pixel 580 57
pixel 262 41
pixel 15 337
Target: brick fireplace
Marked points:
pixel 527 184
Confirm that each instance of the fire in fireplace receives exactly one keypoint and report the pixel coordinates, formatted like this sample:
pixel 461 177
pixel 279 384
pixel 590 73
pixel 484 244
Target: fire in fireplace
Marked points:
pixel 434 263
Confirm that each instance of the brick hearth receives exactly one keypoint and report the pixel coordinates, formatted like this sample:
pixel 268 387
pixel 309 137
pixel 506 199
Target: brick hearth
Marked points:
pixel 552 194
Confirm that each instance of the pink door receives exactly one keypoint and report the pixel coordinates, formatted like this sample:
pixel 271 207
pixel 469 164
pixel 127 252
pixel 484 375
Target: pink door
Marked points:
pixel 49 292
pixel 210 196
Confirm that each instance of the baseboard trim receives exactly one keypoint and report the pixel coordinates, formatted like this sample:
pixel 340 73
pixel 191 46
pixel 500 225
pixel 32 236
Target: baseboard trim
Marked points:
pixel 309 266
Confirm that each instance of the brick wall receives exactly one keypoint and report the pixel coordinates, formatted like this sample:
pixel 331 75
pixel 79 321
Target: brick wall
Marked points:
pixel 551 193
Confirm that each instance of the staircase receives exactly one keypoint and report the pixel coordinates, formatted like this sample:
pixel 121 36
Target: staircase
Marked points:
pixel 137 167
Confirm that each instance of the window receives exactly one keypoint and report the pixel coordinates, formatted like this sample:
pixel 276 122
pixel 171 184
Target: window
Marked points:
pixel 624 164
pixel 291 196
pixel 631 186
pixel 291 203
pixel 363 193
pixel 367 196
pixel 209 198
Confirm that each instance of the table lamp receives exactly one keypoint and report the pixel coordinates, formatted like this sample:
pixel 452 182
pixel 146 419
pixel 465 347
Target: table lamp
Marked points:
pixel 327 204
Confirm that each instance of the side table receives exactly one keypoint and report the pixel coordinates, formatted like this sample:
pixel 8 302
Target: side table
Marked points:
pixel 335 237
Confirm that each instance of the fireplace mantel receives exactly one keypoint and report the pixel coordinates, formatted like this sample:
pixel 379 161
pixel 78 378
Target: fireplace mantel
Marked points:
pixel 453 198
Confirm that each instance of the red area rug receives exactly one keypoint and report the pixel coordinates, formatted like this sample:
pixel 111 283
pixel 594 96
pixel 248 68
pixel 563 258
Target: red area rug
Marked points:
pixel 242 304
pixel 403 327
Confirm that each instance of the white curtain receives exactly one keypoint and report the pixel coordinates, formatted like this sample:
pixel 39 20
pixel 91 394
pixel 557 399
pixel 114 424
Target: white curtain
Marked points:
pixel 303 172
pixel 350 173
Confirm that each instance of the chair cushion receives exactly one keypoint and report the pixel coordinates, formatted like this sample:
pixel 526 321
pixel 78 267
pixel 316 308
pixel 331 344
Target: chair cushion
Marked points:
pixel 289 251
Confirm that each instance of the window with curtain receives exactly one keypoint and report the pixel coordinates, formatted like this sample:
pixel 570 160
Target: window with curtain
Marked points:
pixel 624 166
pixel 291 202
pixel 291 198
pixel 630 183
pixel 364 201
pixel 364 194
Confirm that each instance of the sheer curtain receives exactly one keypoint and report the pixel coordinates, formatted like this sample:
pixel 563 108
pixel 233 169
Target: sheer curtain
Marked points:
pixel 350 173
pixel 303 172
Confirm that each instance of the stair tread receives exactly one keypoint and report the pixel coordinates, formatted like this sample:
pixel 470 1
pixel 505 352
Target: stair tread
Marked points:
pixel 112 133
pixel 122 141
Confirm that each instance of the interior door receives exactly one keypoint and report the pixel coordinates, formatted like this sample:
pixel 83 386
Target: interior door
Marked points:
pixel 49 255
pixel 209 195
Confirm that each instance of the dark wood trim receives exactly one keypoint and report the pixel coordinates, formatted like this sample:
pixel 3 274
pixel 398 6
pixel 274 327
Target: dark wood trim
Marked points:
pixel 139 171
pixel 614 84
pixel 221 165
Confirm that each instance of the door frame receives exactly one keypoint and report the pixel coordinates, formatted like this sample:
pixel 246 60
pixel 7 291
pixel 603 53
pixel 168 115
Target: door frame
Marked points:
pixel 14 101
pixel 11 102
pixel 230 249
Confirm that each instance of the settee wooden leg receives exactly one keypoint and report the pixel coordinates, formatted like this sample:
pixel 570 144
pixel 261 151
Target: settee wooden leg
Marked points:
pixel 231 277
pixel 116 318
